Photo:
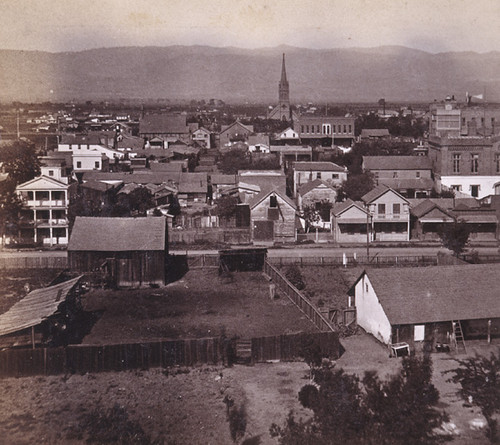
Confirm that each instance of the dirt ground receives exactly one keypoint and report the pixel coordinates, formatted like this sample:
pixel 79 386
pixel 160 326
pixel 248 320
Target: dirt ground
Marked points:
pixel 201 304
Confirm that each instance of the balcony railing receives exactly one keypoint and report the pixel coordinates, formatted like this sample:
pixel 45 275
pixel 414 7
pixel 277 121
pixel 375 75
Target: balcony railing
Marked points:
pixel 46 202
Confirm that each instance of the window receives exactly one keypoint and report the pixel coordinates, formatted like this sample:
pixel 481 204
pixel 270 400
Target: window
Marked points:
pixel 474 190
pixel 381 209
pixel 345 129
pixel 30 196
pixel 318 175
pixel 419 332
pixel 327 128
pixel 417 174
pixel 497 162
pixel 366 287
pixel 302 129
pixel 334 129
pixel 310 176
pixel 79 147
pixel 317 129
pixel 394 174
pixel 307 128
pixel 273 201
pixel 335 176
pixel 96 164
pixel 456 163
pixel 78 164
pixel 474 163
pixel 350 128
pixel 51 172
pixel 396 209
pixel 457 187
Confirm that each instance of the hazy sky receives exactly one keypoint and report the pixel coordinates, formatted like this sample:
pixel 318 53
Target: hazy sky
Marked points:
pixel 430 25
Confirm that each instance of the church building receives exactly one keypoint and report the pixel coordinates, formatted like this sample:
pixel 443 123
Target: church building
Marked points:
pixel 282 111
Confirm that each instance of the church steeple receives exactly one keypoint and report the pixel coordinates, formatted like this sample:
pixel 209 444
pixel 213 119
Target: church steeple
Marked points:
pixel 284 89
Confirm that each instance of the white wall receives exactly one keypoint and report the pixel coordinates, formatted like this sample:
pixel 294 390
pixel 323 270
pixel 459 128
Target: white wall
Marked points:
pixel 486 183
pixel 370 314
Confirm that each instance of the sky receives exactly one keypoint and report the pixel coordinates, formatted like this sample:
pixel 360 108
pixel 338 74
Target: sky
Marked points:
pixel 73 25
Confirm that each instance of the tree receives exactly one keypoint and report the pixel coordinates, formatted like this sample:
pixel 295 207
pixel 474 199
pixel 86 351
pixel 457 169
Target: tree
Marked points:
pixel 346 410
pixel 455 236
pixel 479 379
pixel 225 207
pixel 356 186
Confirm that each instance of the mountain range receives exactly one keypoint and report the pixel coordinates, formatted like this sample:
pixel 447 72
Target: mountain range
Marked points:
pixel 239 75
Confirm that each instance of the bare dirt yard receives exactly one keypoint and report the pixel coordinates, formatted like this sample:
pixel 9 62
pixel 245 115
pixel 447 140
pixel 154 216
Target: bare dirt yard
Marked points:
pixel 188 405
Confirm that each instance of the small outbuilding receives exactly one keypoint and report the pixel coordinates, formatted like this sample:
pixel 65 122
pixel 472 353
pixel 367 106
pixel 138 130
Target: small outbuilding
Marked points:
pixel 432 306
pixel 134 251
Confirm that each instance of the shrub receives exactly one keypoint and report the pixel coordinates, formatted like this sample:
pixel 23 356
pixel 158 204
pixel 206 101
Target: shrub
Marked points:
pixel 294 275
pixel 308 396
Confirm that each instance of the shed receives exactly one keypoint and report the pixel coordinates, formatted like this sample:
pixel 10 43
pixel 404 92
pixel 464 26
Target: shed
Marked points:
pixel 41 316
pixel 417 305
pixel 134 249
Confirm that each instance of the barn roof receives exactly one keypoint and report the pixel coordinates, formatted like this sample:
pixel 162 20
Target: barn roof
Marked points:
pixel 35 307
pixel 437 293
pixel 118 234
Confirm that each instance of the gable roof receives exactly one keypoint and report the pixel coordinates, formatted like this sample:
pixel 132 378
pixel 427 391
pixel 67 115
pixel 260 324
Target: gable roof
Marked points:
pixel 396 163
pixel 377 192
pixel 437 293
pixel 318 166
pixel 257 199
pixel 340 207
pixel 258 139
pixel 427 206
pixel 311 185
pixel 42 183
pixel 374 132
pixel 35 307
pixel 118 234
pixel 408 183
pixel 226 128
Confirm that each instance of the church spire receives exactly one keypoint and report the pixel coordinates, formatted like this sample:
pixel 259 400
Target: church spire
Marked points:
pixel 283 70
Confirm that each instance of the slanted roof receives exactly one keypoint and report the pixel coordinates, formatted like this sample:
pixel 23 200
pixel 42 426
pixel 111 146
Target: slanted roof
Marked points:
pixel 42 183
pixel 118 234
pixel 340 207
pixel 258 139
pixel 257 199
pixel 318 166
pixel 311 185
pixel 193 183
pixel 377 192
pixel 408 183
pixel 82 139
pixel 165 166
pixel 248 128
pixel 97 185
pixel 429 211
pixel 35 307
pixel 438 293
pixel 219 179
pixel 163 124
pixel 396 163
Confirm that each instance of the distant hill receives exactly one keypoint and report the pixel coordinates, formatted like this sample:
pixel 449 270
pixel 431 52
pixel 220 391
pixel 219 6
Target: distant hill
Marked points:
pixel 241 75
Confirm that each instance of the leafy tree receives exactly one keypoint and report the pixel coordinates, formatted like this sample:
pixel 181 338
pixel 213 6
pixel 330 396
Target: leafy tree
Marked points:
pixel 225 207
pixel 455 236
pixel 479 379
pixel 234 160
pixel 356 186
pixel 347 410
pixel 294 275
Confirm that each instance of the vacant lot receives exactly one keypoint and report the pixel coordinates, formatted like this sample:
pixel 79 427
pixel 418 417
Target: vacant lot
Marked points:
pixel 201 304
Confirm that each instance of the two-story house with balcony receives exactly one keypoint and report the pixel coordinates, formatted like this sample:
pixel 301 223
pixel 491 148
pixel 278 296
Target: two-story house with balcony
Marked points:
pixel 44 217
pixel 389 213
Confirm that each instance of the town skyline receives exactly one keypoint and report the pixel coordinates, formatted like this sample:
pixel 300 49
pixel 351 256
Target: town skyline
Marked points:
pixel 55 26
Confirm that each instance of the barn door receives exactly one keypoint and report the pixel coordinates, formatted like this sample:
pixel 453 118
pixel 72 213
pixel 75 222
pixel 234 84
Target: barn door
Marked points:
pixel 263 230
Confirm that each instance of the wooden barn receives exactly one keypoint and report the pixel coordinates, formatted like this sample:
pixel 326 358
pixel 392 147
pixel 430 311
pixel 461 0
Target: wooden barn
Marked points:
pixel 42 317
pixel 429 306
pixel 134 251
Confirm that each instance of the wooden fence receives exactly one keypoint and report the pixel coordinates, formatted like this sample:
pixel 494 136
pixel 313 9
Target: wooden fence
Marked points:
pixel 350 261
pixel 29 262
pixel 87 358
pixel 285 287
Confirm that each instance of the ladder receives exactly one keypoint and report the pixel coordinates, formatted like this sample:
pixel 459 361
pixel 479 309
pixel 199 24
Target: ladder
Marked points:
pixel 458 336
pixel 244 352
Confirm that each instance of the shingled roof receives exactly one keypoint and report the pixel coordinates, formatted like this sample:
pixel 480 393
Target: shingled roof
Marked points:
pixel 163 124
pixel 396 163
pixel 118 234
pixel 438 293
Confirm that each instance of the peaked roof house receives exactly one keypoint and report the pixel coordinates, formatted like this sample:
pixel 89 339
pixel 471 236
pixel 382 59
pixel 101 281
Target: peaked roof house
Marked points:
pixel 135 250
pixel 272 217
pixel 349 220
pixel 428 219
pixel 314 192
pixel 439 304
pixel 389 214
pixel 304 172
pixel 235 132
pixel 168 127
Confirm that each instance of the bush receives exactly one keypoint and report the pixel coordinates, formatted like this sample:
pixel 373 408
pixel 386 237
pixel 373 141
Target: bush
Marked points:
pixel 308 396
pixel 294 275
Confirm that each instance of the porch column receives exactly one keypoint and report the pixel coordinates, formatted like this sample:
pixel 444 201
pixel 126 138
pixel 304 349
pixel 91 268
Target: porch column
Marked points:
pixel 489 331
pixel 35 237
